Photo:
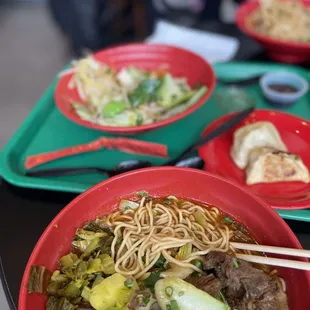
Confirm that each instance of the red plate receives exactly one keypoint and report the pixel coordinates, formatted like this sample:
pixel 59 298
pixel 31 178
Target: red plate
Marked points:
pixel 283 51
pixel 263 222
pixel 295 133
pixel 179 62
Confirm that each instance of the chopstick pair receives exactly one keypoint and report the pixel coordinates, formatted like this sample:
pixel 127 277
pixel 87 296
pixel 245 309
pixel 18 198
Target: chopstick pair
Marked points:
pixel 122 144
pixel 274 250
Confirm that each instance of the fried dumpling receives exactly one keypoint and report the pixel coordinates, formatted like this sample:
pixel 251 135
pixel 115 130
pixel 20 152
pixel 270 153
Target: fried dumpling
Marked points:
pixel 267 165
pixel 251 136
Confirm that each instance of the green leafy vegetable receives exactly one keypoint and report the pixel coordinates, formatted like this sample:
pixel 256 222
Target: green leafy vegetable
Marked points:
pixel 92 246
pixel 68 261
pixel 108 266
pixel 81 270
pixel 59 277
pixel 170 93
pixel 160 262
pixel 152 279
pixel 52 303
pixel 94 265
pixel 98 226
pixel 70 291
pixel 52 288
pixel 38 279
pixel 139 120
pixel 59 304
pixel 114 107
pixel 80 245
pixel 145 92
pixel 89 235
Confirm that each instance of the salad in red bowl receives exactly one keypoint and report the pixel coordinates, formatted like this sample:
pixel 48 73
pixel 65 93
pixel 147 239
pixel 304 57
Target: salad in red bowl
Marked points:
pixel 134 88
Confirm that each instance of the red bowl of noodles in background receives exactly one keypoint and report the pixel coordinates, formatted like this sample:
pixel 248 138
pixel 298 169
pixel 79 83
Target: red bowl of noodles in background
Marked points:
pixel 261 221
pixel 277 49
pixel 149 57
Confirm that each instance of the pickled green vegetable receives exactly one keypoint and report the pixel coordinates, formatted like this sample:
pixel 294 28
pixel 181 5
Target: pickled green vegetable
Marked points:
pixel 68 261
pixel 111 292
pixel 108 266
pixel 184 251
pixel 38 279
pixel 89 235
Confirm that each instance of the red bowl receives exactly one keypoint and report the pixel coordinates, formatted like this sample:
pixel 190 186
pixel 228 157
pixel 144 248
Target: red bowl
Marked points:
pixel 288 52
pixel 295 133
pixel 177 61
pixel 265 225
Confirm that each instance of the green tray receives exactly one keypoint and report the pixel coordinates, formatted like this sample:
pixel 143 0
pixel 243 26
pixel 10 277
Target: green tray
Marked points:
pixel 46 129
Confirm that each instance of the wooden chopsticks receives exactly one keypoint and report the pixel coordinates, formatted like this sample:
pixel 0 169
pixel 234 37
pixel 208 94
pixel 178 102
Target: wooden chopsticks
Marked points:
pixel 275 261
pixel 271 249
pixel 274 250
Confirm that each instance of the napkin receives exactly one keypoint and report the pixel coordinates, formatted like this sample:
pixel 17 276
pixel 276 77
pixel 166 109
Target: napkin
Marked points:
pixel 211 46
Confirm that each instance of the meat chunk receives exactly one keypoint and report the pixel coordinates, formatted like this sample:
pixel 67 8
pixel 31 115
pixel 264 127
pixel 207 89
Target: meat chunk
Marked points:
pixel 208 283
pixel 214 260
pixel 245 286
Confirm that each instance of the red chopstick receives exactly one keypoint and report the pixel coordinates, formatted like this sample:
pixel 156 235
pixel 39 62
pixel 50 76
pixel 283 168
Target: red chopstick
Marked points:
pixel 121 144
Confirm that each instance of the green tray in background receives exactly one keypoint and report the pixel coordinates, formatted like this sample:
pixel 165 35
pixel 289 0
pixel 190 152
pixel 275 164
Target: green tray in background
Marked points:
pixel 45 129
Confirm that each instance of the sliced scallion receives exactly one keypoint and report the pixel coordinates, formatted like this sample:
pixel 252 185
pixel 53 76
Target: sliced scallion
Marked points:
pixel 198 263
pixel 169 291
pixel 129 283
pixel 221 295
pixel 227 220
pixel 174 305
pixel 235 263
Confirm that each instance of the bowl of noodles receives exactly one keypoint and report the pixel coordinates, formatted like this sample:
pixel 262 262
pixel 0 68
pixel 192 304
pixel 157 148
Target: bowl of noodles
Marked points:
pixel 164 238
pixel 134 88
pixel 281 26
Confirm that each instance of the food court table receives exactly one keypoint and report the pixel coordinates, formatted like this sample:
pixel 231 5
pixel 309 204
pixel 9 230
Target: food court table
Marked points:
pixel 25 213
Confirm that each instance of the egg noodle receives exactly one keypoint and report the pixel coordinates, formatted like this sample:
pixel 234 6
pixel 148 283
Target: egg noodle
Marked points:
pixel 154 229
pixel 287 20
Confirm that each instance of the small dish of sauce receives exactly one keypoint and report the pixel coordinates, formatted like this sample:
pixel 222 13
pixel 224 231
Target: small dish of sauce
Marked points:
pixel 283 88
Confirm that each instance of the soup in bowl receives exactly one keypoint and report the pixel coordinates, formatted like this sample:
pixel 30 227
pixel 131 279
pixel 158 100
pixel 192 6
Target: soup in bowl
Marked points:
pixel 162 238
